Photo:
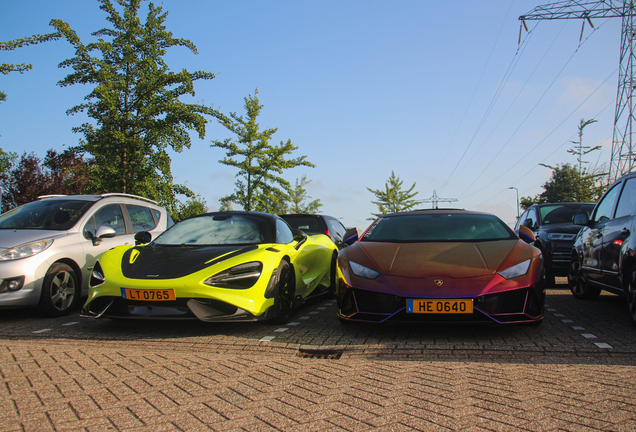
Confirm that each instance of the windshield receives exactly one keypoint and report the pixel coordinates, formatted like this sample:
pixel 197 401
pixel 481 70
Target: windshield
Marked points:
pixel 57 214
pixel 216 230
pixel 556 214
pixel 438 227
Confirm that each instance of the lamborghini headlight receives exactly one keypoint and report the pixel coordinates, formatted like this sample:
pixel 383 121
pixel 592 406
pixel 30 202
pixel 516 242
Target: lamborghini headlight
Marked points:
pixel 362 271
pixel 242 276
pixel 26 250
pixel 516 270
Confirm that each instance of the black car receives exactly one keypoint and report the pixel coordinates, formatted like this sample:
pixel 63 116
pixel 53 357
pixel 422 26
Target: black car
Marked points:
pixel 604 254
pixel 316 224
pixel 555 233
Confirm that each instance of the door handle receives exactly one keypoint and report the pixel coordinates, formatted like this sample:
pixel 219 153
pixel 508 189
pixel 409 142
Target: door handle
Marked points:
pixel 625 232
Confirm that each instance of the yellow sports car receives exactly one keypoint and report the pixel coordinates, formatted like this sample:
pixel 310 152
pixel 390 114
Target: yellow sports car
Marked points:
pixel 225 266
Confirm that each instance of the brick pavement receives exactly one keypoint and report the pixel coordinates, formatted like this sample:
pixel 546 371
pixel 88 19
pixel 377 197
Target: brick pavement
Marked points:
pixel 103 375
pixel 83 386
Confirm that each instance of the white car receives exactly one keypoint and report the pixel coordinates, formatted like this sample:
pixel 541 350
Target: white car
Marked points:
pixel 48 247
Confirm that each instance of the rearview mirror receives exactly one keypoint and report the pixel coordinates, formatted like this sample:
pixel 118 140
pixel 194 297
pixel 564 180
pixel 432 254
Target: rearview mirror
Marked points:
pixel 300 237
pixel 350 237
pixel 143 237
pixel 526 234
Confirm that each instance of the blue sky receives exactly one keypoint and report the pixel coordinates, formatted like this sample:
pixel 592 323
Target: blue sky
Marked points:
pixel 439 92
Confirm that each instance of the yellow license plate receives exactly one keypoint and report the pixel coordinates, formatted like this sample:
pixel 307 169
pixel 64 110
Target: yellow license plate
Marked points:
pixel 148 294
pixel 427 306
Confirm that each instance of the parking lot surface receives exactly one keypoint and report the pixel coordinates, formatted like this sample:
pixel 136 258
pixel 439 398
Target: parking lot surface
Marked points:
pixel 577 371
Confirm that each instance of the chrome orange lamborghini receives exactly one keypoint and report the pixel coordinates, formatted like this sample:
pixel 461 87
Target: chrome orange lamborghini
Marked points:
pixel 441 266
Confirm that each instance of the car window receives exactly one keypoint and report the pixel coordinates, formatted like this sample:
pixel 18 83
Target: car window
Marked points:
pixel 46 214
pixel 336 228
pixel 627 201
pixel 562 213
pixel 140 217
pixel 522 218
pixel 531 219
pixel 283 232
pixel 216 230
pixel 305 223
pixel 605 207
pixel 438 227
pixel 110 216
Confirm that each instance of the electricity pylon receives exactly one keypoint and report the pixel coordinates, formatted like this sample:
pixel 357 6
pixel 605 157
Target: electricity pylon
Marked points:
pixel 435 200
pixel 622 160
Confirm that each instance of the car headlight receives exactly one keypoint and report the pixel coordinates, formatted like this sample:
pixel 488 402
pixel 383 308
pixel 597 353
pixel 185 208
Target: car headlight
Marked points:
pixel 97 276
pixel 362 271
pixel 242 276
pixel 26 250
pixel 516 270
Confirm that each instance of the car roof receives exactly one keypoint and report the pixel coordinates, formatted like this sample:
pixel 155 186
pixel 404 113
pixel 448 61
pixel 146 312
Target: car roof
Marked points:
pixel 97 197
pixel 438 211
pixel 564 203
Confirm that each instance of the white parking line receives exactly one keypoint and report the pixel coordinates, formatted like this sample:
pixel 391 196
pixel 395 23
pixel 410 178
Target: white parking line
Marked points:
pixel 41 331
pixel 603 345
pixel 293 323
pixel 567 321
pixel 578 328
pixel 304 317
pixel 267 339
pixel 280 330
pixel 70 323
pixel 588 335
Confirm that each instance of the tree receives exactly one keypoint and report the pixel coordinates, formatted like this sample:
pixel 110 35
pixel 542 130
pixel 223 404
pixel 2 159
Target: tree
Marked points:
pixel 259 185
pixel 579 150
pixel 393 199
pixel 192 207
pixel 134 101
pixel 31 177
pixel 298 196
pixel 567 185
pixel 6 68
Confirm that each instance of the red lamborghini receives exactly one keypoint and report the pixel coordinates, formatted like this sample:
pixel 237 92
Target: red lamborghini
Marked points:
pixel 441 266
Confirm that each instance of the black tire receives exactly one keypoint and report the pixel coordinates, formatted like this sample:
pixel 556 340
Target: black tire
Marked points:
pixel 285 290
pixel 578 285
pixel 631 295
pixel 60 291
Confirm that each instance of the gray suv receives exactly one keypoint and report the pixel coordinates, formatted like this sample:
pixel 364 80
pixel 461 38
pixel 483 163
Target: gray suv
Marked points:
pixel 48 247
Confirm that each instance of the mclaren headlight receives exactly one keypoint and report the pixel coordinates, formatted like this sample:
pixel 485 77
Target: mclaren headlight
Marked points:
pixel 242 276
pixel 516 270
pixel 362 271
pixel 25 250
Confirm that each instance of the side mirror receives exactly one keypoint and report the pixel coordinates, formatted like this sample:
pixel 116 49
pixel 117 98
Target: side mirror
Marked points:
pixel 102 233
pixel 526 234
pixel 580 219
pixel 143 237
pixel 350 237
pixel 300 237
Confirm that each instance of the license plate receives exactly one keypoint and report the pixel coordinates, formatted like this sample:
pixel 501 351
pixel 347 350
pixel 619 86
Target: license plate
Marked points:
pixel 148 294
pixel 427 306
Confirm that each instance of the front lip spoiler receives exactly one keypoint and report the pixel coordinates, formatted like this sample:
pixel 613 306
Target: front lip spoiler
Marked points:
pixel 96 315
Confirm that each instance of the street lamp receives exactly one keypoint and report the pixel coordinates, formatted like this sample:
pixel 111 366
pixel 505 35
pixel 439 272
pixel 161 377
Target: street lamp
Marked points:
pixel 512 187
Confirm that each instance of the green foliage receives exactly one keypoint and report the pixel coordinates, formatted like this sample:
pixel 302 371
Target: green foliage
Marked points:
pixel 6 68
pixel 134 101
pixel 192 207
pixel 568 185
pixel 393 199
pixel 579 150
pixel 297 197
pixel 259 186
pixel 6 162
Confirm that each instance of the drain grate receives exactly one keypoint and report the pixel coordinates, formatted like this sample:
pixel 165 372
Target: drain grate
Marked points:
pixel 319 354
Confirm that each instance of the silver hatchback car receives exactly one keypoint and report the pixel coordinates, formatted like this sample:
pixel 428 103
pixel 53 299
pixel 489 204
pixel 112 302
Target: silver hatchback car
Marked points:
pixel 48 247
